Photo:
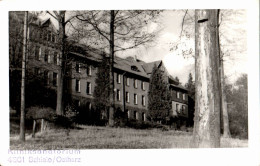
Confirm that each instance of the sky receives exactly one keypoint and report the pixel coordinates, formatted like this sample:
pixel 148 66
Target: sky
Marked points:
pixel 233 38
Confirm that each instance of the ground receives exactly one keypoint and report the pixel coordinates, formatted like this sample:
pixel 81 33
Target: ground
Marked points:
pixel 93 137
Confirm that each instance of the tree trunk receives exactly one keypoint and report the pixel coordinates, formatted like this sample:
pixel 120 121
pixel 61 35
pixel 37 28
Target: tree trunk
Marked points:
pixel 60 80
pixel 207 105
pixel 226 131
pixel 42 125
pixel 22 118
pixel 34 125
pixel 111 73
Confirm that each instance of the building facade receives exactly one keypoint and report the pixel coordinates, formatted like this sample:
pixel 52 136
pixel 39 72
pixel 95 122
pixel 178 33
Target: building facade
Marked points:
pixel 131 76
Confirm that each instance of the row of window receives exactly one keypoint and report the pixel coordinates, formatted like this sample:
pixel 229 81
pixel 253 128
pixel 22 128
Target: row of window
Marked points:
pixel 43 35
pixel 47 76
pixel 127 97
pixel 47 56
pixel 183 96
pixel 135 82
pixel 136 115
pixel 182 110
pixel 88 87
pixel 88 69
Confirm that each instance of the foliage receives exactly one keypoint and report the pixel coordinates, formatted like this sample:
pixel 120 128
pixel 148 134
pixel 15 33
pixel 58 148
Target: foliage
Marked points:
pixel 133 123
pixel 36 112
pixel 102 89
pixel 159 102
pixel 238 107
pixel 190 85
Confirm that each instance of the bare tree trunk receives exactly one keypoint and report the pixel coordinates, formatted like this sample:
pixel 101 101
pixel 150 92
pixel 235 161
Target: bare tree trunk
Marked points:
pixel 207 105
pixel 42 125
pixel 22 118
pixel 34 125
pixel 60 99
pixel 111 73
pixel 226 131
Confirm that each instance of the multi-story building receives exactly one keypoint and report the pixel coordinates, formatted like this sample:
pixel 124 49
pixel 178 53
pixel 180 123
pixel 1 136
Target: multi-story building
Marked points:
pixel 131 76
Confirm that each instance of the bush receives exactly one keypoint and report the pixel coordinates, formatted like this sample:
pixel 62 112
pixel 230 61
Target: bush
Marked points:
pixel 40 113
pixel 132 123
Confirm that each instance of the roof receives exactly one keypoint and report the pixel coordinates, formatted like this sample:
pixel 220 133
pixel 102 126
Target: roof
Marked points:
pixel 130 65
pixel 148 67
pixel 179 86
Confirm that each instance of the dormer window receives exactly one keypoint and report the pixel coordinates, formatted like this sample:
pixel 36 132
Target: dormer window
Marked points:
pixel 135 68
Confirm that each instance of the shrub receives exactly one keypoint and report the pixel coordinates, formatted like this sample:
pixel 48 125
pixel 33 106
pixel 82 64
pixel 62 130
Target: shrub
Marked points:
pixel 132 123
pixel 35 113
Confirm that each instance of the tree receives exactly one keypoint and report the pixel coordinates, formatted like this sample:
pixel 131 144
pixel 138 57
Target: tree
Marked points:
pixel 102 88
pixel 22 117
pixel 190 85
pixel 159 102
pixel 237 98
pixel 206 131
pixel 59 16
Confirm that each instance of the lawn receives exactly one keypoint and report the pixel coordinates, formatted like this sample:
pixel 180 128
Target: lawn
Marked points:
pixel 93 137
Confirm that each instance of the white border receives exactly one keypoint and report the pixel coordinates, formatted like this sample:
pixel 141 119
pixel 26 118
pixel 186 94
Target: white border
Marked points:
pixel 236 156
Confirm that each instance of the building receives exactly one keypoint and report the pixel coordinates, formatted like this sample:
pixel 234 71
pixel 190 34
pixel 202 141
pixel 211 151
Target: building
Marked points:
pixel 131 76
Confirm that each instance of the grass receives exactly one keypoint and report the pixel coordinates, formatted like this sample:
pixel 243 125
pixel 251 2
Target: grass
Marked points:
pixel 92 137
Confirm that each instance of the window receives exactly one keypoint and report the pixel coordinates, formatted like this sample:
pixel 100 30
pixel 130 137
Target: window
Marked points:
pixel 77 67
pixel 53 38
pixel 135 98
pixel 55 58
pixel 128 114
pixel 183 109
pixel 36 71
pixel 183 96
pixel 37 53
pixel 143 116
pixel 88 90
pixel 135 83
pixel 118 95
pixel 178 95
pixel 118 78
pixel 88 70
pixel 135 115
pixel 127 81
pixel 77 87
pixel 54 80
pixel 49 58
pixel 143 85
pixel 77 103
pixel 178 108
pixel 127 99
pixel 45 36
pixel 143 100
pixel 46 55
pixel 49 35
pixel 46 77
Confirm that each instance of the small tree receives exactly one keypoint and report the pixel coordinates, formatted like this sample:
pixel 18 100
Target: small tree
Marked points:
pixel 190 85
pixel 102 88
pixel 159 102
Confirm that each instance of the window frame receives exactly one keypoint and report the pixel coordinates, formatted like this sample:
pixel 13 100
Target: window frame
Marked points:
pixel 88 88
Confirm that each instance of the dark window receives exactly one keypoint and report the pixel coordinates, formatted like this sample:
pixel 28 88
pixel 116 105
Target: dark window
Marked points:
pixel 88 70
pixel 46 77
pixel 46 55
pixel 77 87
pixel 118 95
pixel 49 35
pixel 88 90
pixel 54 80
pixel 135 115
pixel 55 56
pixel 143 116
pixel 143 100
pixel 77 67
pixel 53 38
pixel 37 53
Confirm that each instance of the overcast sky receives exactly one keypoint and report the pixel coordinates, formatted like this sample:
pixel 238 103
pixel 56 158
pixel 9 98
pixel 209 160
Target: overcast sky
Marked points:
pixel 232 35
